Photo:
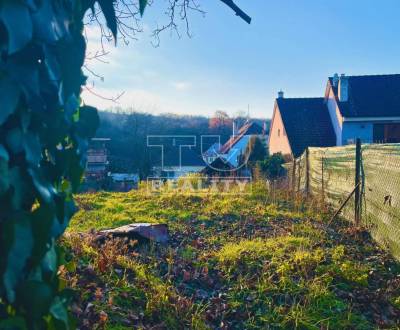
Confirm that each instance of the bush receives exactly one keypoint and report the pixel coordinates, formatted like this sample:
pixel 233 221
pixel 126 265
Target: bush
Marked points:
pixel 272 166
pixel 44 133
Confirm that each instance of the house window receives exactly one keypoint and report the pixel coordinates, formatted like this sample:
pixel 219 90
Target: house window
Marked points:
pixel 279 132
pixel 386 133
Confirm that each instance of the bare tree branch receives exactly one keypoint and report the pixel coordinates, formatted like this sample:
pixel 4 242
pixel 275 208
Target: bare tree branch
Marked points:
pixel 129 25
pixel 113 99
pixel 237 10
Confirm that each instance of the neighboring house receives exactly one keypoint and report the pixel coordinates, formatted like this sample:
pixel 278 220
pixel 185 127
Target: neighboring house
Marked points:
pixel 365 107
pixel 216 157
pixel 298 123
pixel 190 162
pixel 236 146
pixel 124 181
pixel 97 159
pixel 230 154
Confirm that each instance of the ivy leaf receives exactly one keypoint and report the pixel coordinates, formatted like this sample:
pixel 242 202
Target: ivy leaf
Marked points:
pixel 49 23
pixel 21 188
pixel 4 177
pixel 65 210
pixel 71 107
pixel 32 148
pixel 9 95
pixel 35 297
pixel 71 56
pixel 42 52
pixel 107 6
pixel 14 140
pixel 42 219
pixel 13 323
pixel 49 262
pixel 19 235
pixel 23 68
pixel 88 121
pixel 142 6
pixel 75 170
pixel 59 312
pixel 3 153
pixel 17 20
pixel 43 187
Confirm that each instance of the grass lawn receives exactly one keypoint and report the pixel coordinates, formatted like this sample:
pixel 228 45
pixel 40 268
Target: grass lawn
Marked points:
pixel 233 262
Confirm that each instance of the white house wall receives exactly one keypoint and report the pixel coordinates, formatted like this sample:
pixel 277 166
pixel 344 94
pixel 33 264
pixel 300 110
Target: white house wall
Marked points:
pixel 336 117
pixel 353 130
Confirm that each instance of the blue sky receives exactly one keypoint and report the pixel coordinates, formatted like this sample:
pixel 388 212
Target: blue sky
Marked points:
pixel 228 64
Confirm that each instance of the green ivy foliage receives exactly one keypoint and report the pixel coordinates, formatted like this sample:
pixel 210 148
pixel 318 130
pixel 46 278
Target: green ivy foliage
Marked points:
pixel 44 133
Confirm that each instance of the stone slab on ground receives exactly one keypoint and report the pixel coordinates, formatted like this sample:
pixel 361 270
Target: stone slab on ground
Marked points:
pixel 148 231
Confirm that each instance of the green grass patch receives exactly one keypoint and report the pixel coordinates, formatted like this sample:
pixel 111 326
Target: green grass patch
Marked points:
pixel 233 262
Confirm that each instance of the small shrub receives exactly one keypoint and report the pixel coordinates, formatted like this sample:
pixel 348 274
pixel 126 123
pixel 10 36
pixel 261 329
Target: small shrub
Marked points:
pixel 396 301
pixel 338 253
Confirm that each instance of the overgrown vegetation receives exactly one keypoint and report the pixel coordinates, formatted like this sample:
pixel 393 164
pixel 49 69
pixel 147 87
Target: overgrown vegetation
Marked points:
pixel 44 132
pixel 233 262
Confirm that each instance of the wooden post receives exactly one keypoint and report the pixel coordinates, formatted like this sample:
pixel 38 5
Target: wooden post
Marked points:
pixel 294 177
pixel 357 199
pixel 307 183
pixel 299 176
pixel 273 191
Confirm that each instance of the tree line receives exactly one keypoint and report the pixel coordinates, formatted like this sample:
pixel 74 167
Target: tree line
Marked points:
pixel 128 131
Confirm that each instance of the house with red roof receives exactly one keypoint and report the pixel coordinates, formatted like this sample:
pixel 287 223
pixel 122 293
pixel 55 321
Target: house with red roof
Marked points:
pixel 229 156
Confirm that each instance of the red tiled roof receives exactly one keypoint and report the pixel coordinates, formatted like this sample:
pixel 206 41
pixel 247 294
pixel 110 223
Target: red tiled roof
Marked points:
pixel 249 128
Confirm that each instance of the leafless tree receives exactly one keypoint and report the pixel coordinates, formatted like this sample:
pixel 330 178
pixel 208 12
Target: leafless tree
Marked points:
pixel 177 14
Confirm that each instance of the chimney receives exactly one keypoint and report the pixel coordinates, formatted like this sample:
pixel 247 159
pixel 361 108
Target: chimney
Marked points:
pixel 234 128
pixel 280 94
pixel 264 128
pixel 335 80
pixel 343 88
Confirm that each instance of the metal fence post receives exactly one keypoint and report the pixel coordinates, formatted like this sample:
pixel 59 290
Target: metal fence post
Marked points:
pixel 357 199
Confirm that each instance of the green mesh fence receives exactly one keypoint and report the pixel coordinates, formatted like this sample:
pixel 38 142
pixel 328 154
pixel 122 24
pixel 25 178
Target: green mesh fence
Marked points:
pixel 329 174
pixel 381 198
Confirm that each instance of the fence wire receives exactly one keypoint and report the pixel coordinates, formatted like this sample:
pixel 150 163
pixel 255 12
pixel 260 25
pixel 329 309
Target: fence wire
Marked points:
pixel 329 174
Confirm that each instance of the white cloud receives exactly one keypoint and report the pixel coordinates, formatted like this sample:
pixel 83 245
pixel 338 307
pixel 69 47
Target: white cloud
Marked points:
pixel 149 83
pixel 181 85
